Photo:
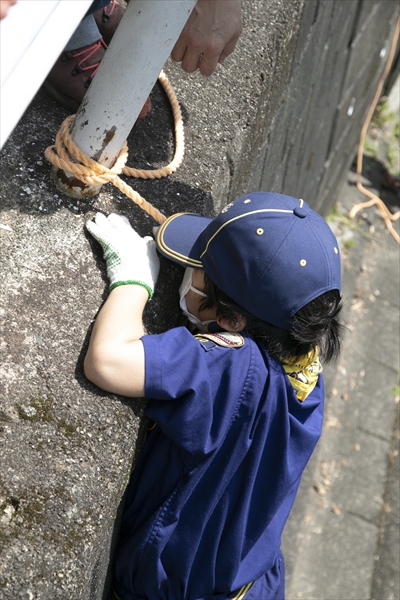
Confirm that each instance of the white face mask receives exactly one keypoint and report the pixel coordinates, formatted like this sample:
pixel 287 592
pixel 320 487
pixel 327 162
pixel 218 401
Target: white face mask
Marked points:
pixel 185 286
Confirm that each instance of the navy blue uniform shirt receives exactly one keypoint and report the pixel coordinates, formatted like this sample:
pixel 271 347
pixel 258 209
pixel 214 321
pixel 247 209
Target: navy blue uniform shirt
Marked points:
pixel 218 475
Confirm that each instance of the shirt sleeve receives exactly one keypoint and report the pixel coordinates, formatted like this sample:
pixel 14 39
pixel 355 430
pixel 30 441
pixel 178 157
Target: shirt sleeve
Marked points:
pixel 192 392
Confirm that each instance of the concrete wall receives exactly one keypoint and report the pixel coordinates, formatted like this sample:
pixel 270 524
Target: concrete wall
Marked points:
pixel 276 116
pixel 339 57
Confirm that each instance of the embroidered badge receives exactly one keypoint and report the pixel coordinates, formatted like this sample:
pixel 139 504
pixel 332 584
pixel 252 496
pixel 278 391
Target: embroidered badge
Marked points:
pixel 226 339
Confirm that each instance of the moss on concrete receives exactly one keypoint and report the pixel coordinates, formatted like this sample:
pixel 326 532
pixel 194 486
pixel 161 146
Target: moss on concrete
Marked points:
pixel 38 409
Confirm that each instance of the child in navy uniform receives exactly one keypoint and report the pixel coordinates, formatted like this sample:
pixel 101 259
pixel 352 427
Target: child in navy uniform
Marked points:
pixel 237 404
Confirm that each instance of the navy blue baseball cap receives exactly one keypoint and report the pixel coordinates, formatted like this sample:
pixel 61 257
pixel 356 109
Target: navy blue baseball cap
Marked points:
pixel 270 253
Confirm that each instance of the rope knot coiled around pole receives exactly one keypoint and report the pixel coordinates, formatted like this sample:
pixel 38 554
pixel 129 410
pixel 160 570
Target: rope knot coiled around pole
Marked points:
pixel 66 155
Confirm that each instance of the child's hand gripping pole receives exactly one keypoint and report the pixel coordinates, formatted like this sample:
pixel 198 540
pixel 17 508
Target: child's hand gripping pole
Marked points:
pixel 130 259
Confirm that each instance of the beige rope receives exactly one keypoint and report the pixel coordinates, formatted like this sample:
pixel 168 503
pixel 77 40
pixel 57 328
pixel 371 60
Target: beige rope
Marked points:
pixel 67 156
pixel 179 139
pixel 387 216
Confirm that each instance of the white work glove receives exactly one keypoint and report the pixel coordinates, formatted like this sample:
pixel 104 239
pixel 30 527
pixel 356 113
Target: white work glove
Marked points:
pixel 130 259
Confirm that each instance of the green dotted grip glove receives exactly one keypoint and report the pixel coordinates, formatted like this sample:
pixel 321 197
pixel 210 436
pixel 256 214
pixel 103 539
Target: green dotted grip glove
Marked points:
pixel 130 259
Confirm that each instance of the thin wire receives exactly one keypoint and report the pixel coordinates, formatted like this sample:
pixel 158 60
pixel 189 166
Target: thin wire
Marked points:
pixel 387 216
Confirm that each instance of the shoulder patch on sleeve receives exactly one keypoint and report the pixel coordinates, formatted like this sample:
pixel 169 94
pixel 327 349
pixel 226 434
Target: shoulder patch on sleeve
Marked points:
pixel 226 339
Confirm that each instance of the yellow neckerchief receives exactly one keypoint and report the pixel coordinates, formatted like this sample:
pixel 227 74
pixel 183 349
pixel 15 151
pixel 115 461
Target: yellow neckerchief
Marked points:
pixel 303 373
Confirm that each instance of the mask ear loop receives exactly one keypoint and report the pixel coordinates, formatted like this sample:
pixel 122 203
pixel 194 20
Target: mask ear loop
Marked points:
pixel 196 291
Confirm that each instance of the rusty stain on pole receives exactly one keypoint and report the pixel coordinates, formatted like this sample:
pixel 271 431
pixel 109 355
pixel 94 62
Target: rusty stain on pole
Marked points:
pixel 108 136
pixel 68 184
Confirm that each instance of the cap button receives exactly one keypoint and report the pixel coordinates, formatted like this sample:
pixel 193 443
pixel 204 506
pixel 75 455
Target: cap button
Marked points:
pixel 300 212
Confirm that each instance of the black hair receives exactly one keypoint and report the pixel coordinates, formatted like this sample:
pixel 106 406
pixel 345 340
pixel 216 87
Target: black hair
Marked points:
pixel 317 324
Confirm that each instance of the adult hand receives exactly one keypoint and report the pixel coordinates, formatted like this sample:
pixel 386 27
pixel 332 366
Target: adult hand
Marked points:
pixel 4 6
pixel 210 34
pixel 130 259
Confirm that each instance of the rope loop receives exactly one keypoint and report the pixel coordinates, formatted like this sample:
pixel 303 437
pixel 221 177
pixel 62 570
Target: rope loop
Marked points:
pixel 66 155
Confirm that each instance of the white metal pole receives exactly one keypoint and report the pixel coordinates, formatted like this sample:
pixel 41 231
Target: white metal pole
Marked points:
pixel 32 35
pixel 136 55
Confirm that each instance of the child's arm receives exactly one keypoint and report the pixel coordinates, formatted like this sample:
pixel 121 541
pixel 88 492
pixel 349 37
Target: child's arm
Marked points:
pixel 115 358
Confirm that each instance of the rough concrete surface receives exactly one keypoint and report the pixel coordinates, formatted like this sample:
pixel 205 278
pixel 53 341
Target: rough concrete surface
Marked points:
pixel 66 448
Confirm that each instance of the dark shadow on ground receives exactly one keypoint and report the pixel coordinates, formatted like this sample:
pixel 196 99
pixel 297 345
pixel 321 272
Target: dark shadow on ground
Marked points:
pixel 151 145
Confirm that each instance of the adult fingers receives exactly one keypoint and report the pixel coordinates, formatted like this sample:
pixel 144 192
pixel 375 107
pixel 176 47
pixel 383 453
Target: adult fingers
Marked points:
pixel 188 54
